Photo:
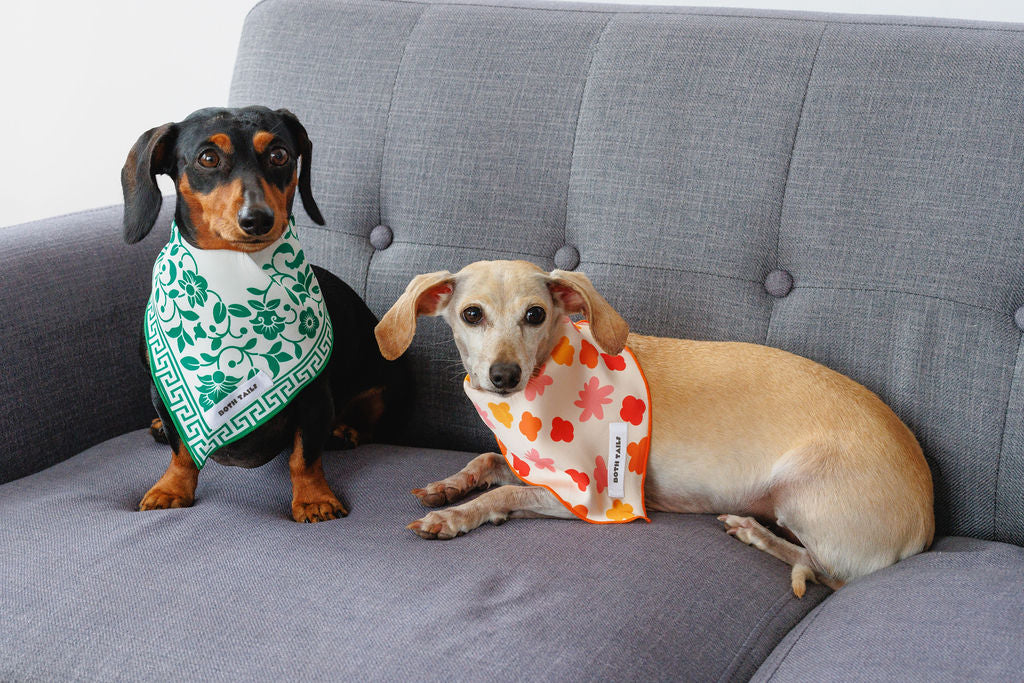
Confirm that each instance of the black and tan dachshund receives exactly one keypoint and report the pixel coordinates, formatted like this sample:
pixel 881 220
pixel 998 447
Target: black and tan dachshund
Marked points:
pixel 236 172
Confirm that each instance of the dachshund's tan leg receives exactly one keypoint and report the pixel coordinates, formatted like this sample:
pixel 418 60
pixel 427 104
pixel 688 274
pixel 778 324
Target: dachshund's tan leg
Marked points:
pixel 312 498
pixel 177 487
pixel 482 472
pixel 751 532
pixel 494 506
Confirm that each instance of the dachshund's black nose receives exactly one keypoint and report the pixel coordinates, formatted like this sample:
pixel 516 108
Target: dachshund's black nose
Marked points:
pixel 505 375
pixel 255 220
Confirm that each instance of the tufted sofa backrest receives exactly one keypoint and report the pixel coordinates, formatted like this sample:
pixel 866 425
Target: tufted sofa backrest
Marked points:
pixel 849 189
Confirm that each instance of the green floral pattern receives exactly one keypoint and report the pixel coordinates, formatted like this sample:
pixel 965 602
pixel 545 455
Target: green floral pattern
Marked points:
pixel 266 322
pixel 217 319
pixel 194 287
pixel 213 388
pixel 308 323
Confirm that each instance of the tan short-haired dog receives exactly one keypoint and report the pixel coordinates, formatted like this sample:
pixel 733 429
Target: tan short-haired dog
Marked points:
pixel 738 429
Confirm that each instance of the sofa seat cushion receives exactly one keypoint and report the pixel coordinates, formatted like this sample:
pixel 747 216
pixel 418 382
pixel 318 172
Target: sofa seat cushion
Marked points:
pixel 952 614
pixel 233 589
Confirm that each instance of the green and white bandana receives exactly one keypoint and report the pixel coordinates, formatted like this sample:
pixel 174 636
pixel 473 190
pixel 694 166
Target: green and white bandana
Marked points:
pixel 233 337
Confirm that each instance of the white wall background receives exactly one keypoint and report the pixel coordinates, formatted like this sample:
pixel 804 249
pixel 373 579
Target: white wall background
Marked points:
pixel 80 81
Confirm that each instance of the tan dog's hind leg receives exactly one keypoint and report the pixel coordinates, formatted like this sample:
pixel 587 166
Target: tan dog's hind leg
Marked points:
pixel 748 530
pixel 495 507
pixel 482 472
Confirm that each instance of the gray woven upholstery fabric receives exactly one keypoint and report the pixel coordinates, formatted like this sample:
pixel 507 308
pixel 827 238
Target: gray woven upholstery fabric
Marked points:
pixel 685 155
pixel 70 316
pixel 232 589
pixel 952 614
pixel 847 188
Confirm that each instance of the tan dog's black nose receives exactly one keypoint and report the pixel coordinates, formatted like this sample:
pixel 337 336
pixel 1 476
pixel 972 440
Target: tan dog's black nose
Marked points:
pixel 505 375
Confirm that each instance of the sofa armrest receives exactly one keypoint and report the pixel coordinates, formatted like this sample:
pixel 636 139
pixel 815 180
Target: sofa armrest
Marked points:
pixel 73 296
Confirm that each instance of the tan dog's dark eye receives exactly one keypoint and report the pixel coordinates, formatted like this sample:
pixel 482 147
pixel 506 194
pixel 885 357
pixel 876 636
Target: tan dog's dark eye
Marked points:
pixel 279 156
pixel 535 315
pixel 472 314
pixel 208 159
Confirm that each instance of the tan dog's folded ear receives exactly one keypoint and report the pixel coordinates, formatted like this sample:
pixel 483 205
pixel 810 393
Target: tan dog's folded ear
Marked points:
pixel 426 294
pixel 576 294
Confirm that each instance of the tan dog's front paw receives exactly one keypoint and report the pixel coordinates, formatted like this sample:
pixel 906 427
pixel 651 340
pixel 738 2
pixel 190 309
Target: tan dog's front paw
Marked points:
pixel 483 471
pixel 318 510
pixel 159 498
pixel 446 491
pixel 445 524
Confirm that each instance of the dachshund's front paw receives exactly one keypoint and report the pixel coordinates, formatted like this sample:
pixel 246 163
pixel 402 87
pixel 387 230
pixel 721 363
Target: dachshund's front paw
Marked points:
pixel 318 510
pixel 159 498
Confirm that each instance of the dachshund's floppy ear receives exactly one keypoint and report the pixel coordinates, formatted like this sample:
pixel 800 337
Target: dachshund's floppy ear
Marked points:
pixel 298 132
pixel 576 294
pixel 151 155
pixel 427 294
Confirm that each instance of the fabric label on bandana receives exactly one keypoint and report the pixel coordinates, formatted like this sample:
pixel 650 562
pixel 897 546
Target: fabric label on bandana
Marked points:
pixel 581 428
pixel 250 390
pixel 233 337
pixel 618 432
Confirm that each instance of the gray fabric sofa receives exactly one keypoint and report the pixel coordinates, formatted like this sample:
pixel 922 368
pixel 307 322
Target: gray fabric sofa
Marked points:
pixel 848 188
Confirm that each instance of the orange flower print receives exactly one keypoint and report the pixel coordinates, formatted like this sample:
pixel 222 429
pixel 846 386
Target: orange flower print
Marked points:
pixel 519 466
pixel 561 430
pixel 563 352
pixel 535 387
pixel 614 362
pixel 632 410
pixel 593 398
pixel 543 463
pixel 638 455
pixel 620 511
pixel 501 413
pixel 529 425
pixel 580 511
pixel 588 354
pixel 600 474
pixel 581 479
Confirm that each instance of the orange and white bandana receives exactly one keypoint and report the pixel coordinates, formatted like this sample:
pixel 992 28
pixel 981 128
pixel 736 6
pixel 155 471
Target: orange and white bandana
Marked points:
pixel 581 428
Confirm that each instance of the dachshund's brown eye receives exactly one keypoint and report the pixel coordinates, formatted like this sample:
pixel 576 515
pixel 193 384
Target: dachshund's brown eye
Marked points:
pixel 472 314
pixel 279 156
pixel 208 159
pixel 535 315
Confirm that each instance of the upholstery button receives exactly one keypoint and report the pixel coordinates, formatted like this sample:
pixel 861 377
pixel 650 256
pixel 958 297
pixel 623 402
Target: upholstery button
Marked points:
pixel 778 283
pixel 567 257
pixel 380 237
pixel 1018 317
